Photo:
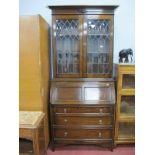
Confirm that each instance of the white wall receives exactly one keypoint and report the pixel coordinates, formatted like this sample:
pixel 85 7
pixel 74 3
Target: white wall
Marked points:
pixel 124 20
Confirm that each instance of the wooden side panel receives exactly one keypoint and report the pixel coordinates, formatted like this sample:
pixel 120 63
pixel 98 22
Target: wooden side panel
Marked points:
pixel 68 93
pixel 44 66
pixel 34 67
pixel 26 133
pixel 29 78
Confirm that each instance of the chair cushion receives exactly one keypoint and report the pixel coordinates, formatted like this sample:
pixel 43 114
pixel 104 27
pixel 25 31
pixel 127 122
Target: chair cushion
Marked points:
pixel 29 117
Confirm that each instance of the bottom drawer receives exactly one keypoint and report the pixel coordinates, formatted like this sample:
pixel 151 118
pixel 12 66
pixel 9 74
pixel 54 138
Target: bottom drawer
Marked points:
pixel 84 133
pixel 104 143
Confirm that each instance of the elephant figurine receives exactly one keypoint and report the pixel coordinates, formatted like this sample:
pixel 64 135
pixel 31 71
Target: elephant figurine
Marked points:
pixel 125 53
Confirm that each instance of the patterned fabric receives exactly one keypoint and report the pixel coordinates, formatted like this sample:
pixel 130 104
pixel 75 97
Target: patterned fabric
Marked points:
pixel 29 118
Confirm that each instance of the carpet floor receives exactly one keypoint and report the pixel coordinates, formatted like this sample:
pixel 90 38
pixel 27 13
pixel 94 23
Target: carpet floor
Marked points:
pixel 93 150
pixel 25 148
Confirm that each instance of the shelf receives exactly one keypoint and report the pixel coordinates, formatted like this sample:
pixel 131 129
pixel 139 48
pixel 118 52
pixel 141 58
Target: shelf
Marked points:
pixel 97 63
pixel 69 63
pixel 105 35
pixel 126 118
pixel 126 92
pixel 68 52
pixel 97 52
pixel 125 141
pixel 124 137
pixel 68 73
pixel 68 35
pixel 98 73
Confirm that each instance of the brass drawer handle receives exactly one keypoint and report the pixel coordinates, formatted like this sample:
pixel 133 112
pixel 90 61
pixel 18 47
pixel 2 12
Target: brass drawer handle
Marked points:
pixel 65 134
pixel 65 120
pixel 100 134
pixel 82 11
pixel 101 110
pixel 100 121
pixel 65 110
pixel 107 84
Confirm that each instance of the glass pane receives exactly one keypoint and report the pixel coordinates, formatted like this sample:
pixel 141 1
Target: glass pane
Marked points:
pixel 90 68
pixel 67 46
pixel 71 68
pixel 98 26
pixel 59 68
pixel 128 105
pixel 128 81
pixel 98 42
pixel 96 93
pixel 126 130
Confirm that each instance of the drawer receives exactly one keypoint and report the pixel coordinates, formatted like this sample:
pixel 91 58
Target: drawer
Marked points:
pixel 83 109
pixel 83 120
pixel 104 143
pixel 83 133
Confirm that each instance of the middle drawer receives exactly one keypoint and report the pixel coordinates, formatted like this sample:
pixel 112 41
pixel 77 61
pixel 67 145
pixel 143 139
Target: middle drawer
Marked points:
pixel 83 120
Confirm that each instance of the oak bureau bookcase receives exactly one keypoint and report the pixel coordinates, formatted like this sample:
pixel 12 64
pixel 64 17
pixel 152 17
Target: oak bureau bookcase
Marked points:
pixel 82 94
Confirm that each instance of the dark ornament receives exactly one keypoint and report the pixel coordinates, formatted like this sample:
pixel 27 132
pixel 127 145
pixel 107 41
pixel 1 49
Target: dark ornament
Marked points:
pixel 124 54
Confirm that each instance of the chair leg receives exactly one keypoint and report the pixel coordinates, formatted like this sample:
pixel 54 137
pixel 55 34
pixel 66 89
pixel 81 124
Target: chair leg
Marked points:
pixel 36 142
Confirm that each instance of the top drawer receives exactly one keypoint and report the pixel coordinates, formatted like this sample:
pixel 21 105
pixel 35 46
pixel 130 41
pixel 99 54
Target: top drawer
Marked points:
pixel 108 109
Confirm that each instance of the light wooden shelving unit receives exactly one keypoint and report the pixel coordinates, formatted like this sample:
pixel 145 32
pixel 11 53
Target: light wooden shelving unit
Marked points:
pixel 125 107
